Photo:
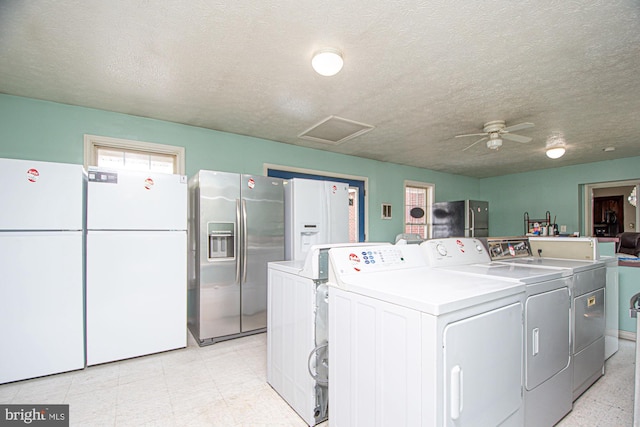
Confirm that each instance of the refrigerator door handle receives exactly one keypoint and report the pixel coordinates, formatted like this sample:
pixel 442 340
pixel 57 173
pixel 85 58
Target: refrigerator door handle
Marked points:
pixel 245 240
pixel 237 234
pixel 473 222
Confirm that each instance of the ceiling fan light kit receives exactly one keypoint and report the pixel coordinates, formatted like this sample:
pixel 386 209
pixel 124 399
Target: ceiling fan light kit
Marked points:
pixel 556 145
pixel 327 62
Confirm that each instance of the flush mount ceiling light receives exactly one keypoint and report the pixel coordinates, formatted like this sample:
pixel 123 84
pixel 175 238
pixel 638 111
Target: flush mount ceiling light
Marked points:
pixel 327 62
pixel 556 145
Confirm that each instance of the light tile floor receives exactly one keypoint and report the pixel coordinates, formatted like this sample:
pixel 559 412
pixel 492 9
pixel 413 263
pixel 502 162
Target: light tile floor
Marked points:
pixel 225 385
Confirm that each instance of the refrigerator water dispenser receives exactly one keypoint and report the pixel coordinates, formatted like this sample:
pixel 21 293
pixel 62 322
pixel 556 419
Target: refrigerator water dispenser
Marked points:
pixel 221 240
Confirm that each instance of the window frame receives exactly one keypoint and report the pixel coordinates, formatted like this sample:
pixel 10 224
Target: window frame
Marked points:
pixel 93 142
pixel 430 199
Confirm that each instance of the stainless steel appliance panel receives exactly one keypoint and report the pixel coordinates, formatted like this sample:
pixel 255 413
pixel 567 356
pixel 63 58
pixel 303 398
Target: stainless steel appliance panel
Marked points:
pixel 448 219
pixel 478 218
pixel 262 213
pixel 548 330
pixel 463 218
pixel 219 281
pixel 589 318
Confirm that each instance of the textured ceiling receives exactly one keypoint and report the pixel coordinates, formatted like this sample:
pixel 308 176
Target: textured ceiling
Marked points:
pixel 421 72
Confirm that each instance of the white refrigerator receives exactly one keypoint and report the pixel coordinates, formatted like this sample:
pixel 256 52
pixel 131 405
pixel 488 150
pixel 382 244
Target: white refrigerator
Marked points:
pixel 316 212
pixel 136 264
pixel 41 268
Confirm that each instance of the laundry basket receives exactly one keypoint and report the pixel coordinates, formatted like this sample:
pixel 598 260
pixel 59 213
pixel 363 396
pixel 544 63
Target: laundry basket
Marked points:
pixel 634 308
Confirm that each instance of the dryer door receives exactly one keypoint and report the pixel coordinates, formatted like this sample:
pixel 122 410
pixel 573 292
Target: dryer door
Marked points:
pixel 547 344
pixel 483 367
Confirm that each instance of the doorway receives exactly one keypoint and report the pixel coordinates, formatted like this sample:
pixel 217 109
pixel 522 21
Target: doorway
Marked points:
pixel 608 216
pixel 618 197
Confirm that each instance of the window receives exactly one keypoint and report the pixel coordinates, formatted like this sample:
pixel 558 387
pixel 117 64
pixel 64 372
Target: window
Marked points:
pixel 418 198
pixel 116 153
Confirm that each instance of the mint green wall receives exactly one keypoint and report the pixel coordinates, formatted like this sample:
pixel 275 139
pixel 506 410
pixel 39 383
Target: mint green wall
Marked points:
pixel 41 130
pixel 629 285
pixel 555 190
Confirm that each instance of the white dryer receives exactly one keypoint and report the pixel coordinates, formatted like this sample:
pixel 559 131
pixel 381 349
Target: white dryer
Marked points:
pixel 588 323
pixel 548 368
pixel 413 345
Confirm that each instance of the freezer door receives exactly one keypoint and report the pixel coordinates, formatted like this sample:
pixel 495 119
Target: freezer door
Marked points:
pixel 132 200
pixel 41 195
pixel 262 209
pixel 337 195
pixel 136 293
pixel 41 304
pixel 218 277
pixel 477 219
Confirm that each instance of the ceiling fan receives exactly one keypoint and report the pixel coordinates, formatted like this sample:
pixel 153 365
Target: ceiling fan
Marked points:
pixel 494 132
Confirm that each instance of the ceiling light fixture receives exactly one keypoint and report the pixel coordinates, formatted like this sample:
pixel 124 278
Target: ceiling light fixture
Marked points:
pixel 494 141
pixel 556 145
pixel 327 62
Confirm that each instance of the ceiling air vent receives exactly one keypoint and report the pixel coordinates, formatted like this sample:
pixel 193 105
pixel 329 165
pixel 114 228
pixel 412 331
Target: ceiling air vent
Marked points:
pixel 335 130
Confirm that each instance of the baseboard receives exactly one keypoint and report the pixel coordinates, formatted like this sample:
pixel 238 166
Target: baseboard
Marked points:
pixel 631 336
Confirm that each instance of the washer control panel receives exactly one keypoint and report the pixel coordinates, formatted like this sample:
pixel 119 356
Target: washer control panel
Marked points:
pixel 362 259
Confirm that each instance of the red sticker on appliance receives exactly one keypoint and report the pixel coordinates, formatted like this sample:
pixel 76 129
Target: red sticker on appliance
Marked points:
pixel 251 183
pixel 355 261
pixel 32 175
pixel 148 183
pixel 460 245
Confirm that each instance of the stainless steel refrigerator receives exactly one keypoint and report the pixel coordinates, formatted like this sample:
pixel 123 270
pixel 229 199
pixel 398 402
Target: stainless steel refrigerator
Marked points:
pixel 236 226
pixel 463 218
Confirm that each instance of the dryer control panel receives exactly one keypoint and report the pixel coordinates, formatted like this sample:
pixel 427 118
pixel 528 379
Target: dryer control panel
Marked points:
pixel 454 251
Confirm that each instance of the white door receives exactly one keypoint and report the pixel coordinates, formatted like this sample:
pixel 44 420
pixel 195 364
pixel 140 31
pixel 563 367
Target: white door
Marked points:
pixel 337 194
pixel 483 368
pixel 136 293
pixel 41 304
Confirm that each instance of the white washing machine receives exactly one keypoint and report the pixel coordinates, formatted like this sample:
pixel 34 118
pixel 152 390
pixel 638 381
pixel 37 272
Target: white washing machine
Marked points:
pixel 548 368
pixel 297 332
pixel 588 324
pixel 412 345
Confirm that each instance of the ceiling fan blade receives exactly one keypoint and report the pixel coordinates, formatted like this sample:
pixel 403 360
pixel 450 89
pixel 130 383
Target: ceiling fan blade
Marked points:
pixel 480 140
pixel 516 138
pixel 470 134
pixel 518 127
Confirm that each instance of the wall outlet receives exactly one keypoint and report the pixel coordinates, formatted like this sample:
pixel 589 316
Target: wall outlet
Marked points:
pixel 563 228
